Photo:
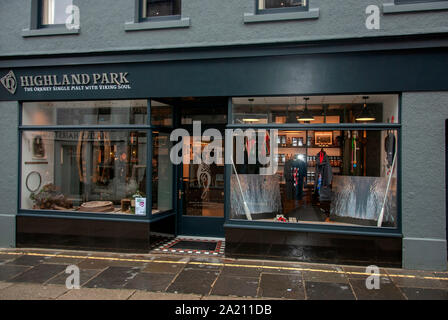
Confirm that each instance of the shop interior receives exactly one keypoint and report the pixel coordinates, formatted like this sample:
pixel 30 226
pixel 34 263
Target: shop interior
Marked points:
pixel 338 177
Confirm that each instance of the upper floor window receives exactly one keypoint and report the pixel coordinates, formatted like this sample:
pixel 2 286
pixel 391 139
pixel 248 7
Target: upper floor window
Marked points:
pixel 271 6
pixel 151 9
pixel 53 12
pixel 415 1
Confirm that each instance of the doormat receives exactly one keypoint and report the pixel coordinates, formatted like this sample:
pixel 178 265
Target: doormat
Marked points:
pixel 193 246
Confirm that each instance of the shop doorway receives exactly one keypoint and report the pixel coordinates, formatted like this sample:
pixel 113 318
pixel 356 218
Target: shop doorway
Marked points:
pixel 200 186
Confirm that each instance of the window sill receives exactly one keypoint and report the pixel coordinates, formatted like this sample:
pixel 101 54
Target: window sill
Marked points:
pixel 414 7
pixel 49 32
pixel 287 16
pixel 155 25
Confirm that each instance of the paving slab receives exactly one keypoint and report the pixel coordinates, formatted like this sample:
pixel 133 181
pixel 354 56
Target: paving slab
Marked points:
pixel 150 281
pixel 414 279
pixel 96 294
pixel 207 263
pixel 425 294
pixel 40 273
pixel 386 291
pixel 281 286
pixel 102 264
pixel 84 276
pixel 4 285
pixel 8 272
pixel 282 268
pixel 444 275
pixel 113 278
pixel 193 281
pixel 334 274
pixel 230 271
pixel 27 291
pixel 28 260
pixel 143 295
pixel 5 258
pixel 328 291
pixel 160 267
pixel 235 286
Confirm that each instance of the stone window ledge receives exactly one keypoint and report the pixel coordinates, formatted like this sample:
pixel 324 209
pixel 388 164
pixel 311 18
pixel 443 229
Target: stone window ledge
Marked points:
pixel 154 25
pixel 287 16
pixel 60 31
pixel 414 7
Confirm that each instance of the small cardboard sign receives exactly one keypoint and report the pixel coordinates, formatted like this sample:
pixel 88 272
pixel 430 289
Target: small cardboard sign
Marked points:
pixel 140 206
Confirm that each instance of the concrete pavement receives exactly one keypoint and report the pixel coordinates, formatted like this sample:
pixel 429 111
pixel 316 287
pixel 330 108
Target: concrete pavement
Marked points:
pixel 41 274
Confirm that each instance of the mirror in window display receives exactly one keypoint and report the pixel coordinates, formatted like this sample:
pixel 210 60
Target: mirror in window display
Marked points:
pixel 316 109
pixel 85 171
pixel 101 112
pixel 162 173
pixel 334 177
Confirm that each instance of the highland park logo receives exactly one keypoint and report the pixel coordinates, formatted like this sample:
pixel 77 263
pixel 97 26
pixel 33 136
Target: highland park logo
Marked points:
pixel 67 82
pixel 9 81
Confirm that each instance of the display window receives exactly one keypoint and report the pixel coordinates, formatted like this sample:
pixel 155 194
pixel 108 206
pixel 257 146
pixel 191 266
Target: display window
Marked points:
pixel 72 113
pixel 85 157
pixel 162 173
pixel 326 176
pixel 84 171
pixel 315 109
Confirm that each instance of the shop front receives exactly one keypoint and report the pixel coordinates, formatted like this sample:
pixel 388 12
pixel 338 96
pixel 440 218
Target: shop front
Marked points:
pixel 289 156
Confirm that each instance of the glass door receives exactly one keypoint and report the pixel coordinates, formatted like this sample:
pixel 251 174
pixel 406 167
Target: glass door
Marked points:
pixel 201 180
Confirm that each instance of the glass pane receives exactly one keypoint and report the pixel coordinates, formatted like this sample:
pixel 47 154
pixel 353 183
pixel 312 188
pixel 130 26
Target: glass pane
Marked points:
pixel 158 8
pixel 101 112
pixel 161 114
pixel 271 4
pixel 323 177
pixel 316 109
pixel 203 184
pixel 162 173
pixel 209 113
pixel 84 171
pixel 53 11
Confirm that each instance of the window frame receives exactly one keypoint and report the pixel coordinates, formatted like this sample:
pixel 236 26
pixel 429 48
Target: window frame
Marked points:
pixel 37 15
pixel 147 128
pixel 281 10
pixel 139 14
pixel 309 227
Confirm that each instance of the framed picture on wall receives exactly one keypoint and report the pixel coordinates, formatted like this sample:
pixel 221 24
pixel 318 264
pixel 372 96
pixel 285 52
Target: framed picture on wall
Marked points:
pixel 323 138
pixel 38 147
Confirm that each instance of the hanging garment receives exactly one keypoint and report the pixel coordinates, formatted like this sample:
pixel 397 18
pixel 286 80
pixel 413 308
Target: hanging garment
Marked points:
pixel 389 145
pixel 294 173
pixel 324 176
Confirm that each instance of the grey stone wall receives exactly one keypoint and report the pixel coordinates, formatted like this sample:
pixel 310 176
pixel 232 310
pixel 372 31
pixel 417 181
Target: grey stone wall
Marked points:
pixel 423 180
pixel 9 150
pixel 212 22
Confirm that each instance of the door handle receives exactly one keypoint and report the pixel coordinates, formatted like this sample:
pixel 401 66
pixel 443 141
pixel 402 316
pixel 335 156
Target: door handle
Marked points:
pixel 180 194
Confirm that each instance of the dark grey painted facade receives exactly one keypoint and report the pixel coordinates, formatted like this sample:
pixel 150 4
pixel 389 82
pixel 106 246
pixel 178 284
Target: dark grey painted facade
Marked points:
pixel 216 23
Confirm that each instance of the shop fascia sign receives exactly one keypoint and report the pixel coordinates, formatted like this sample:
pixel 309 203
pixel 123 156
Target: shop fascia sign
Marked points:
pixel 67 82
